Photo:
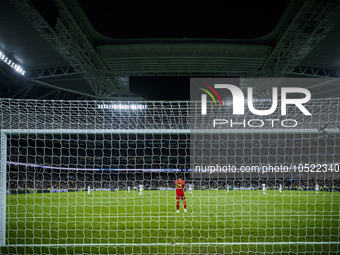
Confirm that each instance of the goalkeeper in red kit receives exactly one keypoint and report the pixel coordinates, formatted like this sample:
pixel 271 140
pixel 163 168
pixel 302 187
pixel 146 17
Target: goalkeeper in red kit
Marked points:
pixel 180 185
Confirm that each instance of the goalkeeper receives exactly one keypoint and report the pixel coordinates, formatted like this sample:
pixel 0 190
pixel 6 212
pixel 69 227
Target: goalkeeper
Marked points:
pixel 180 185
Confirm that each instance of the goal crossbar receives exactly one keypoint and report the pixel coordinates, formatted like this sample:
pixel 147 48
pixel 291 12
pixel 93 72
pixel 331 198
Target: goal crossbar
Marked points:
pixel 165 131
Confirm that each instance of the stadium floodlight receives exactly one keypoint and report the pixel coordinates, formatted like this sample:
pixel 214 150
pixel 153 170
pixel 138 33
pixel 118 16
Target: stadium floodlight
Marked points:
pixel 122 106
pixel 11 64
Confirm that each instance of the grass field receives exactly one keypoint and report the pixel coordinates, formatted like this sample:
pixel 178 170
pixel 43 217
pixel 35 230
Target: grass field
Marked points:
pixel 217 222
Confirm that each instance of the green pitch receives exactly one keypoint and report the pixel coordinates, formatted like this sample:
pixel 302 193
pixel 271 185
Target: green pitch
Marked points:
pixel 290 222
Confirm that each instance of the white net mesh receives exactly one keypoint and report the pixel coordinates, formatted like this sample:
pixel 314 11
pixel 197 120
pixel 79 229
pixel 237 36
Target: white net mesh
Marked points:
pixel 75 170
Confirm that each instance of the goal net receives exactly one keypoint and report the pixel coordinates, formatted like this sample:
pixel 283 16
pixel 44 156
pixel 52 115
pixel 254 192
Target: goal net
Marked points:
pixel 99 177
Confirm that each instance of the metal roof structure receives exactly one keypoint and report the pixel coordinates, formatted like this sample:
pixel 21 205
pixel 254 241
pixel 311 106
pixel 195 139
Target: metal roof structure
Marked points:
pixel 69 59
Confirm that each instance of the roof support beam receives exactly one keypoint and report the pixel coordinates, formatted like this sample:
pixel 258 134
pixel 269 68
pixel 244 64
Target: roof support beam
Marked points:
pixel 123 97
pixel 316 72
pixel 72 44
pixel 310 25
pixel 54 73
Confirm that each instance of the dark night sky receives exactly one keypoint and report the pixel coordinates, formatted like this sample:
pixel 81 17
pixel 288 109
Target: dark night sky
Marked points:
pixel 161 88
pixel 230 19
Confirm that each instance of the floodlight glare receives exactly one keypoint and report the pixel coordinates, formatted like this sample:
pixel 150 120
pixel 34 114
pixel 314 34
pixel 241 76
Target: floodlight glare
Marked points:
pixel 121 106
pixel 11 63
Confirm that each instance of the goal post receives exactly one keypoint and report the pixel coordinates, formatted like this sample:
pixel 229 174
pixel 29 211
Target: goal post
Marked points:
pixel 3 161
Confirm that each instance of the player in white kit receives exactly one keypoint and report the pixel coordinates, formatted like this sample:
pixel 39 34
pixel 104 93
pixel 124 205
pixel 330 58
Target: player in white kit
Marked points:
pixel 280 188
pixel 140 190
pixel 317 188
pixel 88 190
pixel 128 189
pixel 190 189
pixel 264 189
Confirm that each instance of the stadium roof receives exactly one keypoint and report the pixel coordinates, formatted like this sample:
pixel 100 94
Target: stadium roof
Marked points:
pixel 73 49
